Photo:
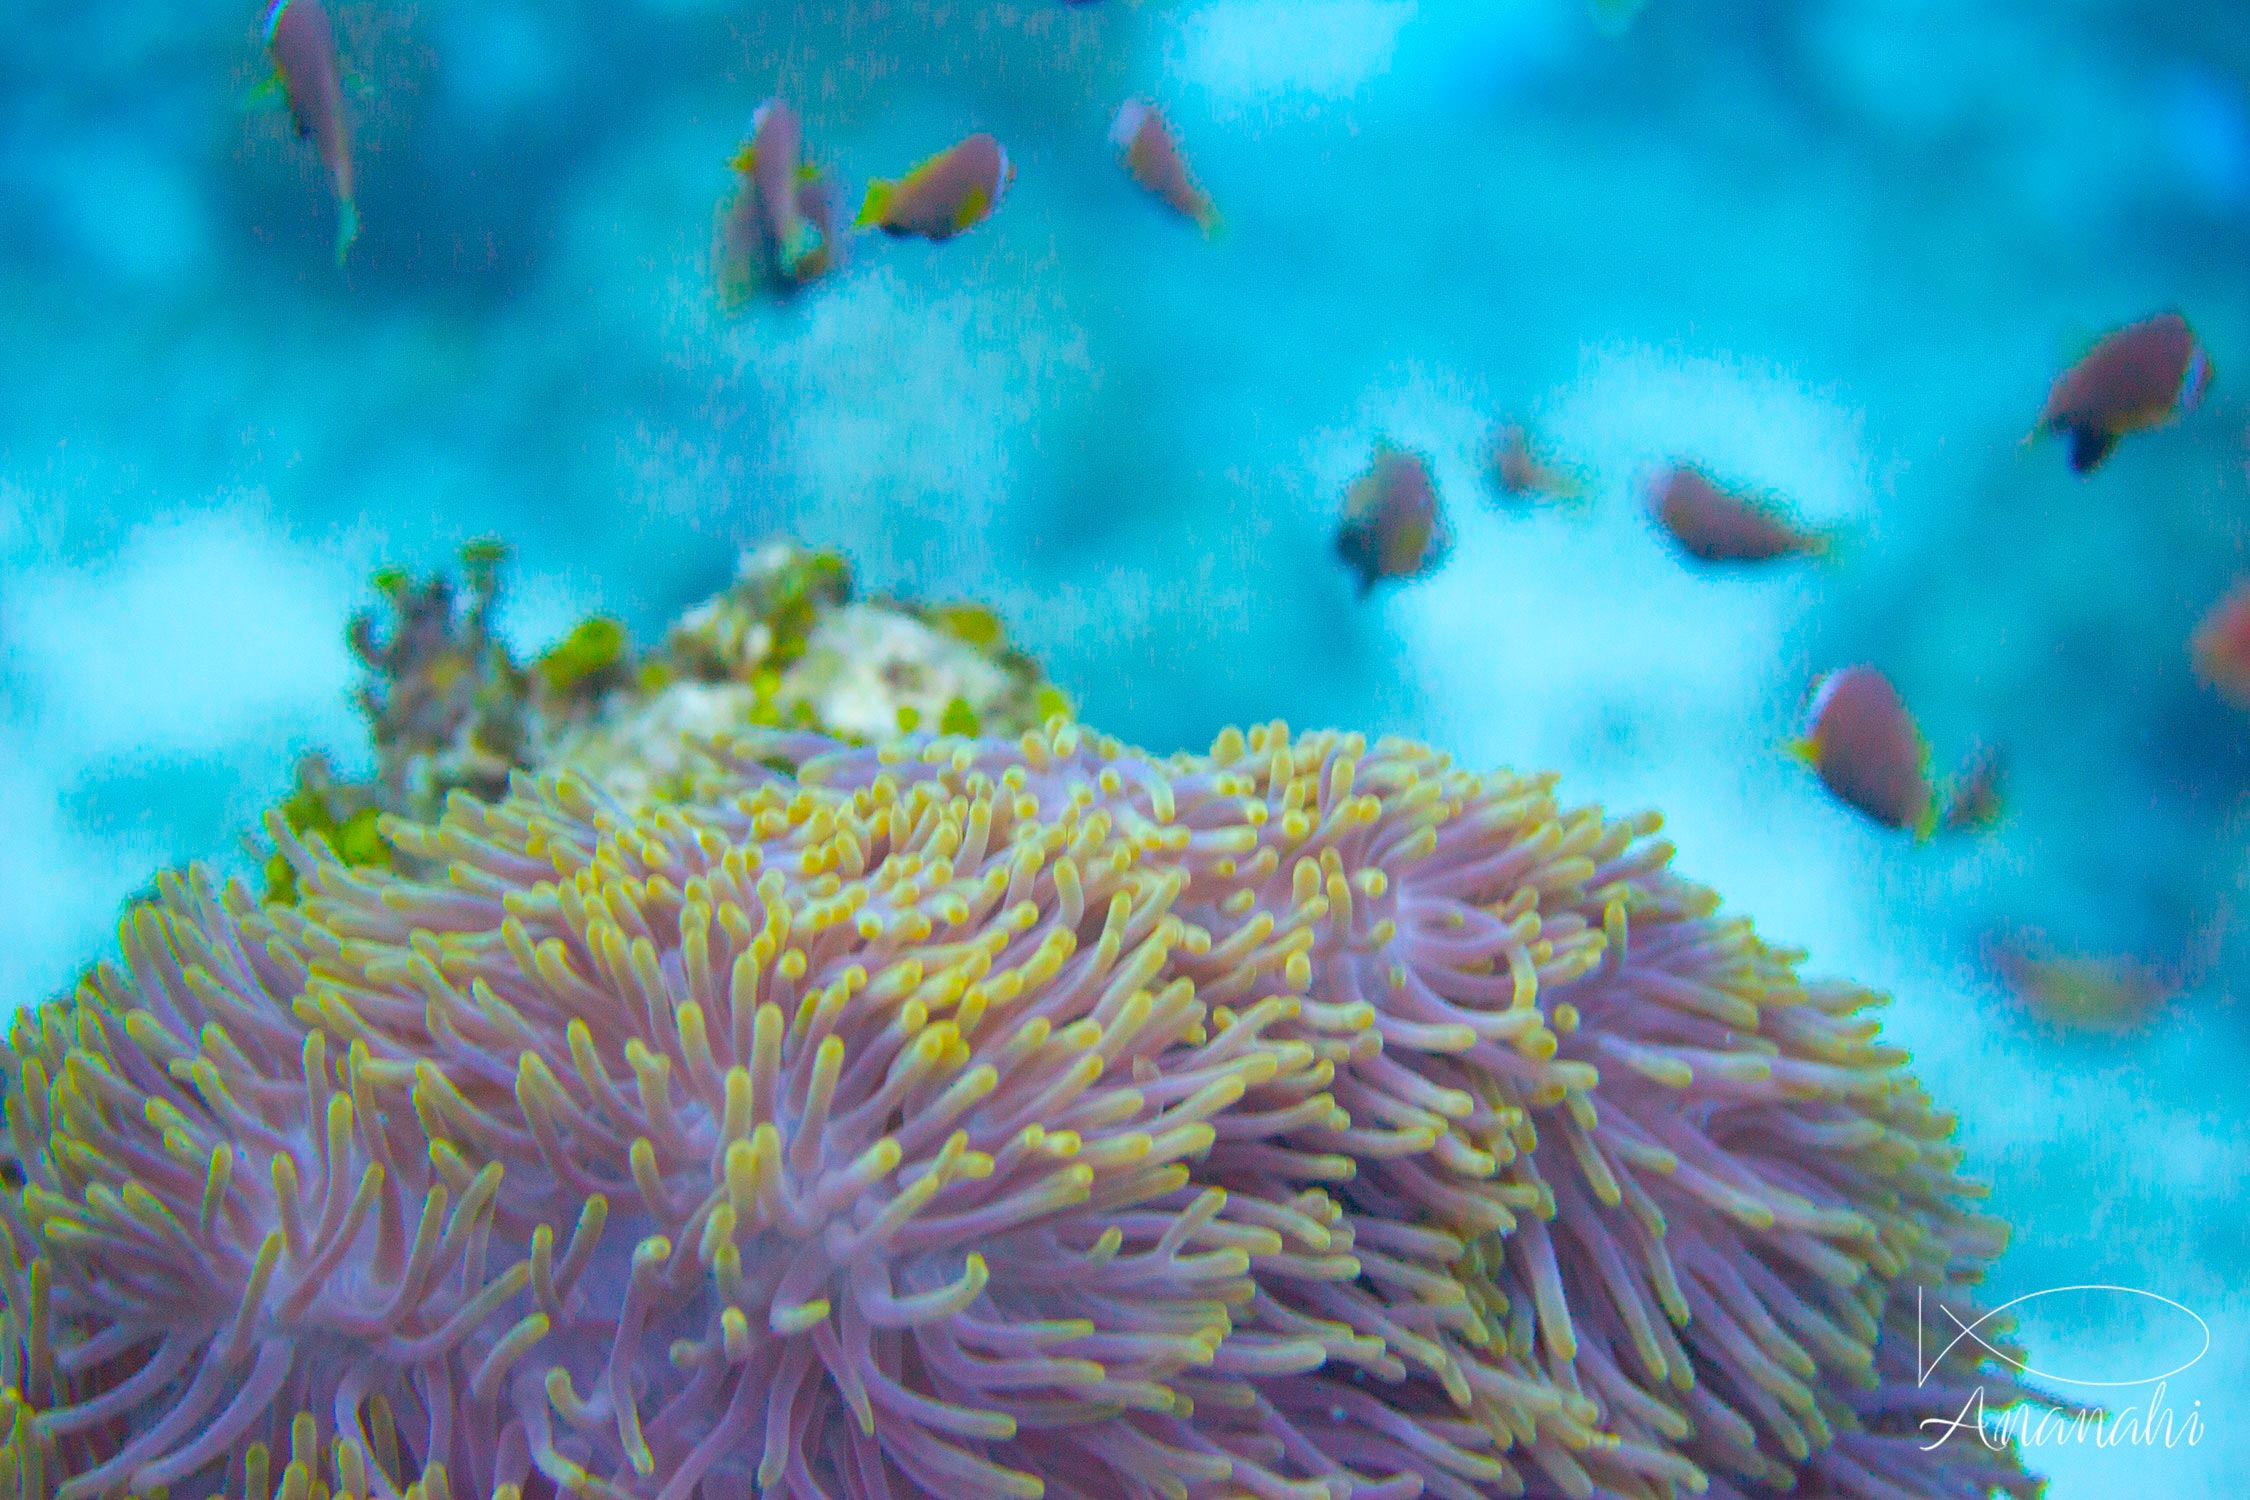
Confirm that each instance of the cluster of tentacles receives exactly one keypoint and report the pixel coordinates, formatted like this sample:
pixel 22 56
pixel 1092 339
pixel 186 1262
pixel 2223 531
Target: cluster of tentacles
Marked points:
pixel 986 1120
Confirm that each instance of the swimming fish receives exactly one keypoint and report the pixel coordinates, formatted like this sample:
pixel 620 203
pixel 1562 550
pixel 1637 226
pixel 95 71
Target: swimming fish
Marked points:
pixel 955 190
pixel 1518 473
pixel 1976 797
pixel 2220 647
pixel 778 230
pixel 302 44
pixel 1152 156
pixel 1716 525
pixel 1864 744
pixel 2081 991
pixel 2144 375
pixel 773 158
pixel 1392 525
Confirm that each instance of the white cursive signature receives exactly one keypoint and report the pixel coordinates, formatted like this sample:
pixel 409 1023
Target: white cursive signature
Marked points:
pixel 2032 1425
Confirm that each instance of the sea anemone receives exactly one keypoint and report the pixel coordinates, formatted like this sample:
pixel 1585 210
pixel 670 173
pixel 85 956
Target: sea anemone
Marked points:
pixel 988 1120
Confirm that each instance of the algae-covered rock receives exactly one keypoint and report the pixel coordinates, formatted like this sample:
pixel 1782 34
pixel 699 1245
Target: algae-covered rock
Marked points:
pixel 447 705
pixel 787 646
pixel 640 751
pixel 784 645
pixel 779 593
pixel 869 671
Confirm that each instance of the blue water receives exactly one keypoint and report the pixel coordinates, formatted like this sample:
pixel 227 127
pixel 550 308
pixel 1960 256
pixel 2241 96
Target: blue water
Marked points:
pixel 1833 247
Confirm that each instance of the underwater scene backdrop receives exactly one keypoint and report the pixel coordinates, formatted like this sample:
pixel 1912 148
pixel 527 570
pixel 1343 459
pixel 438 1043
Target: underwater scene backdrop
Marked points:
pixel 1835 251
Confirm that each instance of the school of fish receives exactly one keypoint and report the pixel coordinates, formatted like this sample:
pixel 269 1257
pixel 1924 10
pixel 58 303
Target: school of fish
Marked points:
pixel 779 231
pixel 1858 737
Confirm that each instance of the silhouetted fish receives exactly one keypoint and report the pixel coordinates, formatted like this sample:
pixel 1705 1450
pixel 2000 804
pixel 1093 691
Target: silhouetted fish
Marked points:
pixel 2144 375
pixel 1152 156
pixel 302 44
pixel 955 190
pixel 1864 744
pixel 1712 524
pixel 1392 525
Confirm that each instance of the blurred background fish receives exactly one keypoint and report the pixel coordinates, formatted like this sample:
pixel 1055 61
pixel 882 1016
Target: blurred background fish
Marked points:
pixel 1829 249
pixel 1144 141
pixel 775 159
pixel 2101 992
pixel 1867 749
pixel 2221 647
pixel 302 42
pixel 777 230
pixel 1518 475
pixel 1716 525
pixel 1392 527
pixel 2076 990
pixel 2144 375
pixel 1976 798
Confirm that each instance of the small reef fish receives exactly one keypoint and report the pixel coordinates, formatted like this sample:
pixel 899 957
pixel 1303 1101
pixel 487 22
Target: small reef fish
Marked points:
pixel 1716 525
pixel 2144 375
pixel 1518 473
pixel 953 191
pixel 2220 647
pixel 778 230
pixel 302 44
pixel 2085 992
pixel 774 158
pixel 1392 525
pixel 1152 155
pixel 1976 798
pixel 1867 750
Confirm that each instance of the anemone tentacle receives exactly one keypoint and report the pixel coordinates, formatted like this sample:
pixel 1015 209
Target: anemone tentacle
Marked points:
pixel 1308 1120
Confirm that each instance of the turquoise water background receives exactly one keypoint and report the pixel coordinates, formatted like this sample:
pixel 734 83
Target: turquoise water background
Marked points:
pixel 1833 247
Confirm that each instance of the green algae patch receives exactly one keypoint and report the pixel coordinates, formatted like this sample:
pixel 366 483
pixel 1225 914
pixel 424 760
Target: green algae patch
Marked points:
pixel 594 647
pixel 341 814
